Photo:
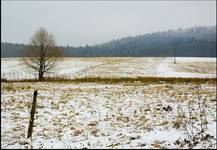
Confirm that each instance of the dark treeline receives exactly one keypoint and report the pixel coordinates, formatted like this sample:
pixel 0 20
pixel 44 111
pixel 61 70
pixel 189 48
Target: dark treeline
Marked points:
pixel 191 42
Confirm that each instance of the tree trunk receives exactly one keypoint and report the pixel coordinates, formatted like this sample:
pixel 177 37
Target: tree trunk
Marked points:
pixel 40 74
pixel 41 66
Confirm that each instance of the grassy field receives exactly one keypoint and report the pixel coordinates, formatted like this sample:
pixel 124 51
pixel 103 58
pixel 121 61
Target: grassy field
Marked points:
pixel 103 115
pixel 102 108
pixel 117 67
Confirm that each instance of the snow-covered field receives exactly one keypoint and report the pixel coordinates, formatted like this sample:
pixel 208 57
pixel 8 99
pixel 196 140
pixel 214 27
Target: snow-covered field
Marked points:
pixel 12 68
pixel 111 115
pixel 122 115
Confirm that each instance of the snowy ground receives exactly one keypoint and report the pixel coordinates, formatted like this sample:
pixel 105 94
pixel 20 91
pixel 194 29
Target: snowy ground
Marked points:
pixel 94 115
pixel 11 68
pixel 103 115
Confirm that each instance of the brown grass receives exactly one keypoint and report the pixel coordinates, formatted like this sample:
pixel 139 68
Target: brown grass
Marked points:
pixel 119 80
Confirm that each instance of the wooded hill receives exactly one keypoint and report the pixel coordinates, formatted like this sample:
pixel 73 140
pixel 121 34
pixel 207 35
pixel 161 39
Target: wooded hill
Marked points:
pixel 190 42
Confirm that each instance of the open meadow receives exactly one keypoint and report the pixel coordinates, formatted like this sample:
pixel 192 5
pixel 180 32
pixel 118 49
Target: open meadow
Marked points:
pixel 116 113
pixel 12 68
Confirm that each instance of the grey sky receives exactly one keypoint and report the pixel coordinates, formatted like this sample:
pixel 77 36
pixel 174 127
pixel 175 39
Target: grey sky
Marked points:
pixel 79 23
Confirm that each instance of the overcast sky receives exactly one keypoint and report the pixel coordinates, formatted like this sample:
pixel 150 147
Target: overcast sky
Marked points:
pixel 80 23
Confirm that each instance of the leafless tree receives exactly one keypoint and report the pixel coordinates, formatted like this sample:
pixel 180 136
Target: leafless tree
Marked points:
pixel 42 53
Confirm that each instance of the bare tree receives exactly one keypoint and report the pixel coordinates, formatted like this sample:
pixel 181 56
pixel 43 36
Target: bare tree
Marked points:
pixel 42 53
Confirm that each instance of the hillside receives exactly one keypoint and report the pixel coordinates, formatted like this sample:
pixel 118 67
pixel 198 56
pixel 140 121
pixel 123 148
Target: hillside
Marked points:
pixel 190 42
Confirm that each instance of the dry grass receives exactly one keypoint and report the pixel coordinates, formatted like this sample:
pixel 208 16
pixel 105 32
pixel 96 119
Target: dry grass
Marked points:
pixel 121 79
pixel 9 86
pixel 120 102
pixel 198 67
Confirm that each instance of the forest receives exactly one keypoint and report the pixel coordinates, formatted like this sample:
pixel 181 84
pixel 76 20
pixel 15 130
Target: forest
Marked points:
pixel 199 41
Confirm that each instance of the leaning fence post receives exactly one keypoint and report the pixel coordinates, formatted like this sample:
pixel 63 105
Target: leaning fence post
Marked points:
pixel 31 120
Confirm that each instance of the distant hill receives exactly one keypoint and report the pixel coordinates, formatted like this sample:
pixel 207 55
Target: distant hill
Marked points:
pixel 191 42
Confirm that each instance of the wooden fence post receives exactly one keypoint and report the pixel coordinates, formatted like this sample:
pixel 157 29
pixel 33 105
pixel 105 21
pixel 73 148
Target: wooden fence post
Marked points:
pixel 31 120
